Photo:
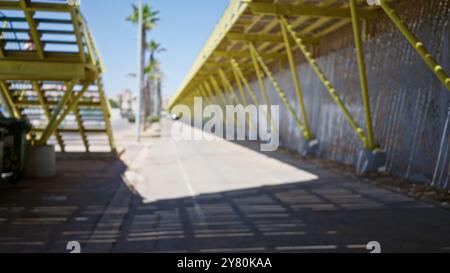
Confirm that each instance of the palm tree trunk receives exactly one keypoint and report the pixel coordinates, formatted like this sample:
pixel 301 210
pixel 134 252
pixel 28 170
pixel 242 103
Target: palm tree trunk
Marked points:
pixel 159 104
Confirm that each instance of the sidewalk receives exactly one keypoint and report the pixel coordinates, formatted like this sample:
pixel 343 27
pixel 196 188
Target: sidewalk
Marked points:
pixel 167 196
pixel 43 215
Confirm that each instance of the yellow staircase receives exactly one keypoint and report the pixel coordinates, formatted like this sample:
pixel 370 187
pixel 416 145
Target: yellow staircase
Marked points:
pixel 51 73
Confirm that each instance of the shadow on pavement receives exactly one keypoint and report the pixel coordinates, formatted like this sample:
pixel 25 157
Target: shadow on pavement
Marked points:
pixel 89 202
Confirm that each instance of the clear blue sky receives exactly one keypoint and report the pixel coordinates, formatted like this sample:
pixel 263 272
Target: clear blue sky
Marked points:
pixel 184 28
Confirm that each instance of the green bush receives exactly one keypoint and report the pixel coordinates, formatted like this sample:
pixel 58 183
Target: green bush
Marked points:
pixel 153 119
pixel 114 104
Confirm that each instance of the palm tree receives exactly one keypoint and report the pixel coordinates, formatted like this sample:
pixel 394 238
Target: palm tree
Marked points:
pixel 150 20
pixel 154 47
pixel 155 76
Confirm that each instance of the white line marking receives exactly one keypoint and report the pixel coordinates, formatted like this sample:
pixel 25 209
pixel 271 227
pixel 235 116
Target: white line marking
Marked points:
pixel 188 182
pixel 306 247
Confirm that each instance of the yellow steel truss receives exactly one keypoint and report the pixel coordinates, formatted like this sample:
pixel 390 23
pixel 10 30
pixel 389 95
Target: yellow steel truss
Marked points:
pixel 56 83
pixel 253 37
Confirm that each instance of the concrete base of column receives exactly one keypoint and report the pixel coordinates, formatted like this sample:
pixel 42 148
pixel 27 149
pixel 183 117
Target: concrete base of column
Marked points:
pixel 309 147
pixel 370 161
pixel 41 162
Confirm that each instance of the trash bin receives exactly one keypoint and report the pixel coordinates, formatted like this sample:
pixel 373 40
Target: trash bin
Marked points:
pixel 14 146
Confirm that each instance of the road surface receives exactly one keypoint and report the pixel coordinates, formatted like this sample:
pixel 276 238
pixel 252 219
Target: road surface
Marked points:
pixel 210 196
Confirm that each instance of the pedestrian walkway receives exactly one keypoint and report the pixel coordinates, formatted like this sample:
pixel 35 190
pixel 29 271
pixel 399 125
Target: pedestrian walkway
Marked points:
pixel 211 196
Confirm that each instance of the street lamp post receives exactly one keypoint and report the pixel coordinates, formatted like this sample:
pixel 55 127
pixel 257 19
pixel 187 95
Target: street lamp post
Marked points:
pixel 140 74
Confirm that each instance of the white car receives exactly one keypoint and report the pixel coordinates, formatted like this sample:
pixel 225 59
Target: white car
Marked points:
pixel 175 117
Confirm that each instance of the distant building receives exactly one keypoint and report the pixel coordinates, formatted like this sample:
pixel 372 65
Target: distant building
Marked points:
pixel 127 103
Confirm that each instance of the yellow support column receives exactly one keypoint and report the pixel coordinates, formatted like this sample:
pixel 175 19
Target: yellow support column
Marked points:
pixel 244 97
pixel 280 91
pixel 307 129
pixel 227 85
pixel 370 144
pixel 260 77
pixel 218 91
pixel 262 86
pixel 47 113
pixel 210 92
pixel 107 115
pixel 54 121
pixel 326 82
pixel 238 71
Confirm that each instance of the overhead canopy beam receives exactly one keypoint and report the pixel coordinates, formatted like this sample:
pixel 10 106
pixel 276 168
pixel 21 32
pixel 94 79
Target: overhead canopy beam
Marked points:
pixel 307 10
pixel 266 38
pixel 14 5
pixel 244 54
pixel 49 56
pixel 22 70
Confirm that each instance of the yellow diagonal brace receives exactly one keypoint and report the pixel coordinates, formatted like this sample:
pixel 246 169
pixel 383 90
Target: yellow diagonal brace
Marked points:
pixel 43 102
pixel 222 95
pixel 239 84
pixel 418 45
pixel 54 123
pixel 227 85
pixel 278 88
pixel 260 77
pixel 307 129
pixel 326 82
pixel 218 91
pixel 81 128
pixel 202 93
pixel 209 91
pixel 362 74
pixel 106 116
pixel 262 87
pixel 9 100
pixel 237 69
pixel 243 94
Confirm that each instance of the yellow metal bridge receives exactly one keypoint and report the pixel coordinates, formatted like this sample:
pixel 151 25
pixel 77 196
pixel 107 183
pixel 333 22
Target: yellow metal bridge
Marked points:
pixel 51 73
pixel 256 38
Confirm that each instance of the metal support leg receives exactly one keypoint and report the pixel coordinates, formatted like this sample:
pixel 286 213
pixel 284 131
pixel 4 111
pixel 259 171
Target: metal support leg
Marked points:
pixel 54 123
pixel 106 115
pixel 277 87
pixel 262 86
pixel 370 144
pixel 307 129
pixel 244 101
pixel 210 92
pixel 326 82
pixel 46 108
pixel 217 90
pixel 227 85
pixel 237 70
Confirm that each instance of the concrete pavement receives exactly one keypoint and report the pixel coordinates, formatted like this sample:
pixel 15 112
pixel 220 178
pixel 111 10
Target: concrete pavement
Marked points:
pixel 217 196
